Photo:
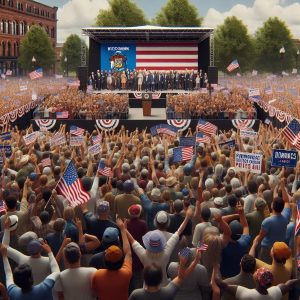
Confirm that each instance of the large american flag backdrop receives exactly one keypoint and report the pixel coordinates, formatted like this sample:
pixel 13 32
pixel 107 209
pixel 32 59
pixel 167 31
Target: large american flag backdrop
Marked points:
pixel 166 56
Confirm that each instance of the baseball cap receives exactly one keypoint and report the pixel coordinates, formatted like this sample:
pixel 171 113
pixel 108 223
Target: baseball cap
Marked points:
pixel 236 229
pixel 135 210
pixel 155 193
pixel 185 192
pixel 110 234
pixel 128 186
pixel 13 222
pixel 260 203
pixel 218 201
pixel 162 218
pixel 113 254
pixel 103 207
pixel 34 247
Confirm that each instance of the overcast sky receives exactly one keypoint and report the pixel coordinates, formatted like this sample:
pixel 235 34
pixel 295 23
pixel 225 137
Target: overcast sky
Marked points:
pixel 75 14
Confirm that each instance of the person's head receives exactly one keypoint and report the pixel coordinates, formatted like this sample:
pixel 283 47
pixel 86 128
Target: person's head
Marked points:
pixel 205 214
pixel 260 204
pixel 154 241
pixel 11 202
pixel 278 205
pixel 162 220
pixel 128 186
pixel 45 217
pixel 248 264
pixel 263 277
pixel 178 206
pixel 280 252
pixel 252 187
pixel 59 225
pixel 152 275
pixel 103 209
pixel 23 277
pixel 232 200
pixel 34 247
pixel 69 213
pixel 134 211
pixel 236 229
pixel 72 254
pixel 155 195
pixel 87 183
pixel 113 257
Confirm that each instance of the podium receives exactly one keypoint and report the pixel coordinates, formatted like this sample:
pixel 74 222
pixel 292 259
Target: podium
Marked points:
pixel 147 104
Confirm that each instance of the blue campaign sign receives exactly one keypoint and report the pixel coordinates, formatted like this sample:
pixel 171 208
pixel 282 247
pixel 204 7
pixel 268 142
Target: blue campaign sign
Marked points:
pixel 284 158
pixel 187 141
pixel 229 144
pixel 7 150
pixel 118 56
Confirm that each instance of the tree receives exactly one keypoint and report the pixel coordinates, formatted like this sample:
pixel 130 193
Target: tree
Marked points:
pixel 36 43
pixel 270 38
pixel 72 51
pixel 178 13
pixel 232 41
pixel 121 13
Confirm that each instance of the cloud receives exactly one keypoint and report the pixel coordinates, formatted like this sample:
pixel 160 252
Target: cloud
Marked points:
pixel 254 16
pixel 77 14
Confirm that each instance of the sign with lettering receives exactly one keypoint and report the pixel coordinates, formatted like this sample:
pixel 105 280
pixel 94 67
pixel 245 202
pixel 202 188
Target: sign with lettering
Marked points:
pixel 284 158
pixel 248 162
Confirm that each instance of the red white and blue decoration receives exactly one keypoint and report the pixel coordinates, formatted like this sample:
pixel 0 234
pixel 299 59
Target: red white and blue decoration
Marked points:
pixel 180 124
pixel 45 123
pixel 155 95
pixel 243 124
pixel 107 125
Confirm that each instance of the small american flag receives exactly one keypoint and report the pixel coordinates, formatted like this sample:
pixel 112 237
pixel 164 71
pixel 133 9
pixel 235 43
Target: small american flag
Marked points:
pixel 62 115
pixel 2 207
pixel 206 127
pixel 70 186
pixel 103 170
pixel 292 133
pixel 202 138
pixel 234 65
pixel 201 246
pixel 297 225
pixel 46 162
pixel 96 139
pixel 76 130
pixel 185 252
pixel 166 129
pixel 182 154
pixel 38 73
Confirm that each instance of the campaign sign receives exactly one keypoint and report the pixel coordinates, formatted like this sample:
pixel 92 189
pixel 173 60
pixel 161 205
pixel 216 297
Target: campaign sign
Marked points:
pixel 118 56
pixel 248 162
pixel 248 133
pixel 6 136
pixel 95 149
pixel 187 141
pixel 76 141
pixel 7 150
pixel 284 158
pixel 229 144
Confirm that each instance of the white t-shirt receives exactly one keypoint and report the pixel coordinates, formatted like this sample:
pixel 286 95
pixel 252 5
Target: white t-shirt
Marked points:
pixel 76 284
pixel 274 293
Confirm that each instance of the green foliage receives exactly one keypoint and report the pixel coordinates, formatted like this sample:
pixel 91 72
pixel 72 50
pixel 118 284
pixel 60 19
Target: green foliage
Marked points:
pixel 178 13
pixel 269 39
pixel 72 51
pixel 121 13
pixel 36 43
pixel 232 41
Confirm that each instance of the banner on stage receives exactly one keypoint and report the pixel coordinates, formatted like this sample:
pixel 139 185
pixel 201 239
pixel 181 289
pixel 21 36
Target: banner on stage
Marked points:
pixel 284 158
pixel 118 56
pixel 248 162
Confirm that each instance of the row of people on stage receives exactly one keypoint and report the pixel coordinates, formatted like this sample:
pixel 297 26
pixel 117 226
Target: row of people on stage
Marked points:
pixel 148 80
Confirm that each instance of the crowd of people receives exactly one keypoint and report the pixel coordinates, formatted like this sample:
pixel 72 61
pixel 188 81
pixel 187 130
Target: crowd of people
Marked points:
pixel 155 228
pixel 79 105
pixel 233 104
pixel 145 80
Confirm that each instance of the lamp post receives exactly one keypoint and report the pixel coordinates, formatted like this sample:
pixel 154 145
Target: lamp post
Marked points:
pixel 33 60
pixel 297 56
pixel 67 67
pixel 282 52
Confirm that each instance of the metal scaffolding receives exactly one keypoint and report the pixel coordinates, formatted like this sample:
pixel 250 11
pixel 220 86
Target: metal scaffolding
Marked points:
pixel 83 54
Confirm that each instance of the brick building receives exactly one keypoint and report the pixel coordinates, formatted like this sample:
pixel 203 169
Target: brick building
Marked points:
pixel 16 17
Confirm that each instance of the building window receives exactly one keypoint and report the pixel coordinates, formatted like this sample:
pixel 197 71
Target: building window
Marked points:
pixel 10 3
pixel 8 49
pixel 6 27
pixel 3 48
pixel 2 2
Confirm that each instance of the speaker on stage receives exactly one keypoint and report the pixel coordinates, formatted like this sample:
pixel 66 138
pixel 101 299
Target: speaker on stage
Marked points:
pixel 82 73
pixel 212 75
